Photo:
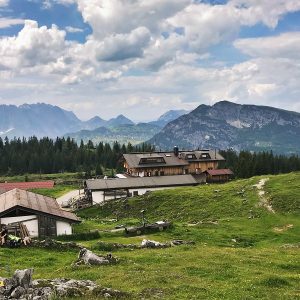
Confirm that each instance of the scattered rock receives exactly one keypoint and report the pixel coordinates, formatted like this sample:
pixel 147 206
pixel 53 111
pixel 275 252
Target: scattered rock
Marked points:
pixel 53 244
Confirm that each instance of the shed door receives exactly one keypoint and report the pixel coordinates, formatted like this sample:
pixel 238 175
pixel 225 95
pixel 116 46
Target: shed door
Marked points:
pixel 47 227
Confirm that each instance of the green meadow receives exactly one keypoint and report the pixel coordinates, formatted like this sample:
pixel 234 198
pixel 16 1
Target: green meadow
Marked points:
pixel 241 250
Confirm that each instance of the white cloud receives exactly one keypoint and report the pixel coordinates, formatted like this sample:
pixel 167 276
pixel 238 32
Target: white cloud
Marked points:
pixel 4 3
pixel 73 29
pixel 32 46
pixel 123 46
pixel 119 16
pixel 285 45
pixel 7 22
pixel 265 11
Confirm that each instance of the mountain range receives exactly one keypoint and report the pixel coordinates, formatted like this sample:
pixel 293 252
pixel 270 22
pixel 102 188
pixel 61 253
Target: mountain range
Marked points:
pixel 228 125
pixel 47 120
pixel 223 125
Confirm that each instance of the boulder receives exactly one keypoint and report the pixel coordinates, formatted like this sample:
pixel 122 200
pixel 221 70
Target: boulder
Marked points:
pixel 152 244
pixel 89 258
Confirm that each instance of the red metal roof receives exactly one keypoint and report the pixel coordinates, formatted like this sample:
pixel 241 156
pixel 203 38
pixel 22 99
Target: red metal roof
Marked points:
pixel 7 186
pixel 217 172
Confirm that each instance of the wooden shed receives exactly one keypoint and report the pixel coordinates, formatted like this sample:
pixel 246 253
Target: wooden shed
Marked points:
pixel 218 175
pixel 42 215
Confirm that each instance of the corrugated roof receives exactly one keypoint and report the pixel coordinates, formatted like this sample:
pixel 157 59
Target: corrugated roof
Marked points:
pixel 33 201
pixel 219 172
pixel 133 159
pixel 140 182
pixel 27 185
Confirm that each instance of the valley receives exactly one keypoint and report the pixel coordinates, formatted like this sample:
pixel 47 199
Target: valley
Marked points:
pixel 241 249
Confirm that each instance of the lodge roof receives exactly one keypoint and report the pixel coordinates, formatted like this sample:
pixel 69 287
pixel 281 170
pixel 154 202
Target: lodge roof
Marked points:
pixel 136 160
pixel 169 159
pixel 35 202
pixel 7 186
pixel 218 172
pixel 140 182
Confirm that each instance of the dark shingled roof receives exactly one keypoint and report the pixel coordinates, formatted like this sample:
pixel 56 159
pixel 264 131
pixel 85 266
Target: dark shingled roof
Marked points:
pixel 32 201
pixel 218 172
pixel 171 160
pixel 140 182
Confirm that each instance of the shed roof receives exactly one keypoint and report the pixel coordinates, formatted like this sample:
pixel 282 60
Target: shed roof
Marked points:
pixel 33 201
pixel 140 182
pixel 27 185
pixel 218 172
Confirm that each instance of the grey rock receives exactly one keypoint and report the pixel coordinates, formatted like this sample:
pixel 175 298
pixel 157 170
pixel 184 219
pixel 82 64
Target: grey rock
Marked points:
pixel 22 278
pixel 89 258
pixel 18 292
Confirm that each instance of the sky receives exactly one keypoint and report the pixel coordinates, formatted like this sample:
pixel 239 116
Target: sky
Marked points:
pixel 141 58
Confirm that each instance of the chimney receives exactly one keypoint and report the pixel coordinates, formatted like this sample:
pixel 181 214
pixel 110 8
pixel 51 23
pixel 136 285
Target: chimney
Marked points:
pixel 176 151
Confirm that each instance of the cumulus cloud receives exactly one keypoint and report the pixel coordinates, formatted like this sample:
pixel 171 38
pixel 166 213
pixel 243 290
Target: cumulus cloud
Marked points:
pixel 32 46
pixel 285 45
pixel 120 16
pixel 123 46
pixel 265 11
pixel 7 22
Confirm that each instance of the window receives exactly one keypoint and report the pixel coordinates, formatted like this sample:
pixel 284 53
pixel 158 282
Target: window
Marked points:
pixel 190 156
pixel 205 155
pixel 152 160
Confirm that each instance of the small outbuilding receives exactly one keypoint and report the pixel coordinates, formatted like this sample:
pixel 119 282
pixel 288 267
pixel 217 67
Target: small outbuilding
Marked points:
pixel 218 175
pixel 42 215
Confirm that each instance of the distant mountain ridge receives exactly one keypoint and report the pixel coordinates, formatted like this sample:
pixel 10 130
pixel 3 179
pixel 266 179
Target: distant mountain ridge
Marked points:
pixel 124 133
pixel 228 125
pixel 169 116
pixel 47 120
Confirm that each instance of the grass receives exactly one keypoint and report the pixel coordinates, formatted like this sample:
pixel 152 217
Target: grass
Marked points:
pixel 56 192
pixel 242 255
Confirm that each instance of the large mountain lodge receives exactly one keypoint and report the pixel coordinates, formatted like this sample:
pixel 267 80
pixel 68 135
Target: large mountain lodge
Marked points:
pixel 171 163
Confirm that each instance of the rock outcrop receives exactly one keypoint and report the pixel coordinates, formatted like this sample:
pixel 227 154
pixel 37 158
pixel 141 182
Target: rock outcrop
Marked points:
pixel 21 287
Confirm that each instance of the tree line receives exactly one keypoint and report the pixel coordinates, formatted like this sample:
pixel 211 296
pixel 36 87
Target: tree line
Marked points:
pixel 33 155
pixel 246 164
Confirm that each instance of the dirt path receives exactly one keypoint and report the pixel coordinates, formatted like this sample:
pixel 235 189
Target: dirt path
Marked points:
pixel 65 198
pixel 263 200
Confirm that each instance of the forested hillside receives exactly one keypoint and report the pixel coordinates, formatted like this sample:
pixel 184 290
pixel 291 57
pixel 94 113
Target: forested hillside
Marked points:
pixel 61 155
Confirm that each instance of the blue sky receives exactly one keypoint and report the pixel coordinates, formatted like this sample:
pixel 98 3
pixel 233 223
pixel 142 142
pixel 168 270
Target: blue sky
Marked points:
pixel 144 57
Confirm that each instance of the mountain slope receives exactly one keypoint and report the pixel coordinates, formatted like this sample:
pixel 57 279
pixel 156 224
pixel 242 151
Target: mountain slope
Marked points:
pixel 229 125
pixel 123 133
pixel 36 119
pixel 169 116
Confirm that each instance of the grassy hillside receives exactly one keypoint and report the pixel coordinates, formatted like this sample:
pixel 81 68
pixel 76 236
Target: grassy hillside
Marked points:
pixel 241 251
